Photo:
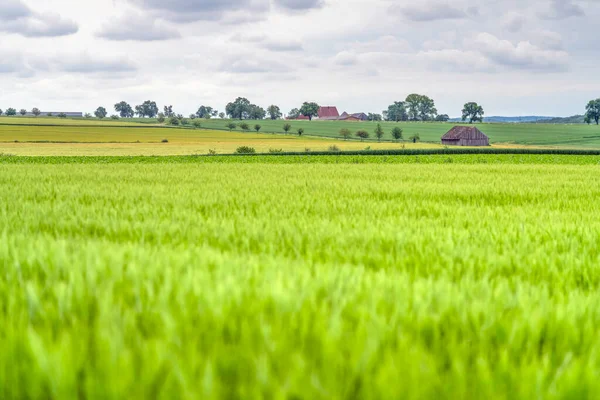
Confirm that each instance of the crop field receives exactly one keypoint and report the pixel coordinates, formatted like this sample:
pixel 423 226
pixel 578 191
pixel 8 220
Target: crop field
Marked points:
pixel 300 277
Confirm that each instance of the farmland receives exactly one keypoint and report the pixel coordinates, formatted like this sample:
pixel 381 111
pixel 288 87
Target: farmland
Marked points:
pixel 300 277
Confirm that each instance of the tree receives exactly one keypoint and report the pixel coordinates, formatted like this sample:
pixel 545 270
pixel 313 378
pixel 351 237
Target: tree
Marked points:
pixel 274 112
pixel 62 115
pixel 50 114
pixel 245 126
pixel 374 117
pixel 472 112
pixel 23 111
pixel 160 118
pixel 586 119
pixel 257 127
pixel 362 135
pixel 300 131
pixel 309 110
pixel 100 112
pixel 239 108
pixel 204 112
pixel 379 132
pixel 1 112
pixel 147 109
pixel 114 116
pixel 222 115
pixel 345 133
pixel 197 124
pixel 87 115
pixel 412 106
pixel 286 128
pixel 11 112
pixel 397 133
pixel 426 108
pixel 442 118
pixel 231 126
pixel 295 113
pixel 124 109
pixel 593 111
pixel 168 111
pixel 36 111
pixel 174 121
pixel 396 112
pixel 415 138
pixel 256 112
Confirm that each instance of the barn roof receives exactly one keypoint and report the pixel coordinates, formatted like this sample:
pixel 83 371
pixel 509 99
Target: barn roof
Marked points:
pixel 328 112
pixel 464 132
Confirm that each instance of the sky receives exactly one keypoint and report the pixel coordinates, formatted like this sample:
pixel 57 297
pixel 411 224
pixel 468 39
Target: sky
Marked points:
pixel 514 57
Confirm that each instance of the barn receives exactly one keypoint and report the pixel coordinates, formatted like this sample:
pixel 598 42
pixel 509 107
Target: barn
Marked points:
pixel 329 113
pixel 465 136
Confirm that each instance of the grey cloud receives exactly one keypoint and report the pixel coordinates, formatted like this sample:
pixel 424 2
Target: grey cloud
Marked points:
pixel 562 9
pixel 346 59
pixel 86 64
pixel 424 12
pixel 200 10
pixel 137 28
pixel 264 42
pixel 248 65
pixel 513 22
pixel 299 5
pixel 16 17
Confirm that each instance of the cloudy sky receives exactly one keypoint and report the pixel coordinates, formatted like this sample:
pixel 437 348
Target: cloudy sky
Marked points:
pixel 515 57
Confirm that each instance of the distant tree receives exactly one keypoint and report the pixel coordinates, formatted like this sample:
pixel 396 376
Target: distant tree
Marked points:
pixel 100 112
pixel 214 113
pixel 238 109
pixel 244 126
pixel 50 114
pixel 87 115
pixel 397 133
pixel 396 112
pixel 286 128
pixel 197 124
pixel 472 112
pixel 11 112
pixel 309 110
pixel 257 128
pixel 442 118
pixel 593 111
pixel 345 133
pixel 415 138
pixel 204 112
pixel 256 112
pixel 412 106
pixel 174 121
pixel 168 111
pixel 62 115
pixel 23 112
pixel 374 117
pixel 147 109
pixel 160 118
pixel 379 132
pixel 124 109
pixel 362 135
pixel 36 111
pixel 1 112
pixel 114 116
pixel 274 112
pixel 193 116
pixel 300 131
pixel 587 119
pixel 231 126
pixel 294 113
pixel 426 108
pixel 222 115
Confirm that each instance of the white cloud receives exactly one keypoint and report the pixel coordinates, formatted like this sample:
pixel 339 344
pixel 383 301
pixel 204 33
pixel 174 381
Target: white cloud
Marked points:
pixel 137 27
pixel 17 17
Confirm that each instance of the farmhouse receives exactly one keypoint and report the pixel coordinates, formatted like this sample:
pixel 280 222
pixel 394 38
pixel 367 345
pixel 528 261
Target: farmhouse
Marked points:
pixel 329 113
pixel 465 136
pixel 353 117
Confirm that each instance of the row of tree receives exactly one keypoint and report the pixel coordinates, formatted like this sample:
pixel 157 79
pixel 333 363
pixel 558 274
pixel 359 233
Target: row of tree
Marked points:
pixel 11 112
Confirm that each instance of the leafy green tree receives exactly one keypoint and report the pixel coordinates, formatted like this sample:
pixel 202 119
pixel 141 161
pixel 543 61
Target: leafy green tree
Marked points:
pixel 23 112
pixel 231 126
pixel 472 112
pixel 197 124
pixel 415 138
pixel 147 109
pixel 426 108
pixel 593 111
pixel 345 133
pixel 124 109
pixel 222 115
pixel 238 109
pixel 256 112
pixel 204 112
pixel 362 134
pixel 274 112
pixel 300 131
pixel 168 111
pixel 62 115
pixel 379 132
pixel 309 110
pixel 442 118
pixel 174 121
pixel 100 112
pixel 257 127
pixel 244 126
pixel 396 112
pixel 397 133
pixel 374 117
pixel 36 111
pixel 294 113
pixel 286 128
pixel 1 112
pixel 11 112
pixel 412 106
pixel 160 118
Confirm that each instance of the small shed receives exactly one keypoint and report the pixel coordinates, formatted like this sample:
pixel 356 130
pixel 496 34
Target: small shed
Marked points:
pixel 465 136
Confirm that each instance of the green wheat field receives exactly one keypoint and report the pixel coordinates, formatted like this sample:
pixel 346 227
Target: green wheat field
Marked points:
pixel 417 277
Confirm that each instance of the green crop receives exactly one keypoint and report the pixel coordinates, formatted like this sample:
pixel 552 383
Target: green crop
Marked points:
pixel 251 278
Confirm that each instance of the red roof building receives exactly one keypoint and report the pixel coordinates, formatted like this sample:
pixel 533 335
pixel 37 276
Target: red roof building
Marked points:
pixel 329 113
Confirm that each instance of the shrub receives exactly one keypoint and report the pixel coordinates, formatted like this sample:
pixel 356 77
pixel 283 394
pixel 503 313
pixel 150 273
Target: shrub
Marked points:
pixel 174 121
pixel 244 126
pixel 397 133
pixel 62 115
pixel 274 151
pixel 345 133
pixel 231 126
pixel 161 118
pixel 306 150
pixel 379 132
pixel 286 128
pixel 86 115
pixel 245 150
pixel 415 138
pixel 334 148
pixel 184 121
pixel 212 152
pixel 300 131
pixel 257 127
pixel 114 117
pixel 165 141
pixel 197 124
pixel 362 135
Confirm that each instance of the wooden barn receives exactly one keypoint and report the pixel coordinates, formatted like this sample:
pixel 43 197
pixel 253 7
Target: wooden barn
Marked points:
pixel 465 136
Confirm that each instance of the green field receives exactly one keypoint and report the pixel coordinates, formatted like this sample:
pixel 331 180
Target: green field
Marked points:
pixel 451 277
